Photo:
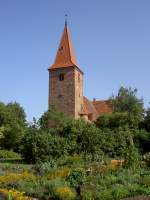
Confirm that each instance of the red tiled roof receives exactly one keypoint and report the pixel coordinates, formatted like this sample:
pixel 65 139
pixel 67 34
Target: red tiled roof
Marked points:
pixel 102 107
pixel 88 108
pixel 65 56
pixel 95 108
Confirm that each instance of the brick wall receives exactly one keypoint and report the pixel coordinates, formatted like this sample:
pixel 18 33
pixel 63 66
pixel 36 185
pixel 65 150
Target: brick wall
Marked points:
pixel 66 95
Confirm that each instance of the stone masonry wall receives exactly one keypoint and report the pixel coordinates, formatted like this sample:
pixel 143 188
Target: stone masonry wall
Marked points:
pixel 62 93
pixel 78 92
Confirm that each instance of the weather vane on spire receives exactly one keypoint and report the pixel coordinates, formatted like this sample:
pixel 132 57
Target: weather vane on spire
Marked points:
pixel 66 19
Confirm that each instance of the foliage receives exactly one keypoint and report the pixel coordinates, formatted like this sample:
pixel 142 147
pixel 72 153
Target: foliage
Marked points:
pixel 82 183
pixel 14 195
pixel 2 129
pixel 12 179
pixel 76 178
pixel 7 168
pixel 77 137
pixel 13 123
pixel 43 146
pixel 146 122
pixel 65 193
pixel 54 119
pixel 127 101
pixel 42 168
pixel 58 173
pixel 131 156
pixel 146 158
pixel 114 120
pixel 59 189
pixel 9 154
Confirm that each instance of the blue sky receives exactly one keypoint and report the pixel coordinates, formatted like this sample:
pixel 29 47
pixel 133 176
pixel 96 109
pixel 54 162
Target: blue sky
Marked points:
pixel 111 39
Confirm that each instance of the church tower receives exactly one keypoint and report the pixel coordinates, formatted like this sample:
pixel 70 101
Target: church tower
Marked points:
pixel 66 79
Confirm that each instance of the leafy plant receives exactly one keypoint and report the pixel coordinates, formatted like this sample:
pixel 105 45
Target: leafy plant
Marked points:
pixel 146 158
pixel 9 154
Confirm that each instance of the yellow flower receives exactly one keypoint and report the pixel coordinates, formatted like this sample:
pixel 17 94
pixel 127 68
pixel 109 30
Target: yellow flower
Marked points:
pixel 14 177
pixel 14 194
pixel 65 193
pixel 61 173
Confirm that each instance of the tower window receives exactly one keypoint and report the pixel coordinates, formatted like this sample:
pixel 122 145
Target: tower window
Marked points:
pixel 61 48
pixel 61 77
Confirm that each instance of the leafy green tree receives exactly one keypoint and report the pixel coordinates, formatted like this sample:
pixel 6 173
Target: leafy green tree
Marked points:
pixel 17 112
pixel 2 129
pixel 81 137
pixel 38 145
pixel 131 155
pixel 146 121
pixel 127 101
pixel 13 121
pixel 114 120
pixel 53 119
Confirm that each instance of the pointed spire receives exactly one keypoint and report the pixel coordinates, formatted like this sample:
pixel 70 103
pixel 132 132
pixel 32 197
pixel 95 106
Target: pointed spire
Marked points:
pixel 65 56
pixel 66 19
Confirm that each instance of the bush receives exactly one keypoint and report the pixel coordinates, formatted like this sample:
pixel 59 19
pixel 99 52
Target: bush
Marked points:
pixel 32 188
pixel 114 120
pixel 42 168
pixel 14 177
pixel 38 146
pixel 132 157
pixel 14 194
pixel 62 172
pixel 58 189
pixel 13 125
pixel 76 178
pixel 146 158
pixel 9 154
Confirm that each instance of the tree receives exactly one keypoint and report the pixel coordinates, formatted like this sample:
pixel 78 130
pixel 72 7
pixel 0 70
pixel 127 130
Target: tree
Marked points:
pixel 114 120
pixel 53 119
pixel 146 121
pixel 13 121
pixel 2 129
pixel 127 101
pixel 38 145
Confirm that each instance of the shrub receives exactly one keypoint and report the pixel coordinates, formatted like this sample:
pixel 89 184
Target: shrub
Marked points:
pixel 43 146
pixel 146 158
pixel 114 120
pixel 76 178
pixel 58 189
pixel 13 121
pixel 9 154
pixel 65 193
pixel 13 179
pixel 132 157
pixel 58 173
pixel 14 168
pixel 87 195
pixel 14 195
pixel 42 168
pixel 32 188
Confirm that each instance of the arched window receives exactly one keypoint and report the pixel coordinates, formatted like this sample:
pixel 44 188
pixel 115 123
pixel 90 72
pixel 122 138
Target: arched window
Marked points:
pixel 61 77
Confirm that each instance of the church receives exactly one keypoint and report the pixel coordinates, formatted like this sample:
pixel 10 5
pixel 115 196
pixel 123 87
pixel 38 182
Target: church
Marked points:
pixel 66 85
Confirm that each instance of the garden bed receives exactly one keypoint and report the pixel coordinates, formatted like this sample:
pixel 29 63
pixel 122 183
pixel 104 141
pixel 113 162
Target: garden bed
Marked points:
pixel 138 198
